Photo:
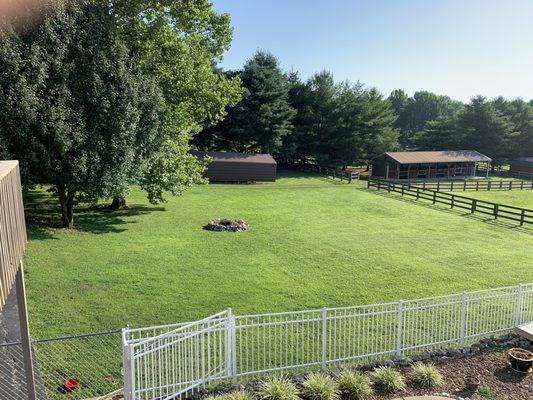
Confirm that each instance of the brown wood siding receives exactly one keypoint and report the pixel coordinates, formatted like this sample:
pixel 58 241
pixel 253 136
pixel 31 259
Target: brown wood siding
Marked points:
pixel 521 168
pixel 12 226
pixel 218 171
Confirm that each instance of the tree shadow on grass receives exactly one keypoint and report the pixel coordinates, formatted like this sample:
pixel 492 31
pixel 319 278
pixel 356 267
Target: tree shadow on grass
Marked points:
pixel 454 211
pixel 43 216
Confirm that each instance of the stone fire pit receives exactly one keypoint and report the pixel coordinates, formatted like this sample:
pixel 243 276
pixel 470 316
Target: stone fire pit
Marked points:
pixel 227 225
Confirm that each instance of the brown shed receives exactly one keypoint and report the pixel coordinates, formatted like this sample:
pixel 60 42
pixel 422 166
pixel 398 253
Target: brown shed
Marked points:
pixel 238 167
pixel 522 164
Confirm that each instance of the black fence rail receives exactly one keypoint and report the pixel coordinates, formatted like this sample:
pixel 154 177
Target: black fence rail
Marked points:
pixel 475 185
pixel 495 210
pixel 349 176
pixel 528 176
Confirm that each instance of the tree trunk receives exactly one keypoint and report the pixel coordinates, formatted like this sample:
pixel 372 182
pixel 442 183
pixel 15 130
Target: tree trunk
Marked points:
pixel 67 209
pixel 118 203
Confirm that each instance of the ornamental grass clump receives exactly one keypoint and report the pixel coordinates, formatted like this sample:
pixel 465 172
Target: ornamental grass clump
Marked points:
pixel 354 385
pixel 320 387
pixel 387 380
pixel 239 395
pixel 278 389
pixel 427 376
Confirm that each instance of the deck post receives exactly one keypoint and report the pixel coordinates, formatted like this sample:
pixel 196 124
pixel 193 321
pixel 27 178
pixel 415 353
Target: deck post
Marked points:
pixel 25 333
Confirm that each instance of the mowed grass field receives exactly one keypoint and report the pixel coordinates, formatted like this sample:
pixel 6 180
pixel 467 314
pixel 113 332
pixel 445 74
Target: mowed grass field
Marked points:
pixel 312 243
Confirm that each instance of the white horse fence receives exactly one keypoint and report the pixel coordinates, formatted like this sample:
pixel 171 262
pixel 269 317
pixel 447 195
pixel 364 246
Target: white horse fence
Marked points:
pixel 168 362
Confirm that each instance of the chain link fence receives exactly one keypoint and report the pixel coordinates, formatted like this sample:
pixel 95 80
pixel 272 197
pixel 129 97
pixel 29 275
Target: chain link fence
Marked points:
pixel 94 360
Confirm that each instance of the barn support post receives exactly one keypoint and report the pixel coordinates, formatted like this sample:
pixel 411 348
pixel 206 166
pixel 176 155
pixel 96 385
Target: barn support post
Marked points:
pixel 488 168
pixel 25 333
pixel 387 171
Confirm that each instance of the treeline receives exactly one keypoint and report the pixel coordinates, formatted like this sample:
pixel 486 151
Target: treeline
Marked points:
pixel 340 124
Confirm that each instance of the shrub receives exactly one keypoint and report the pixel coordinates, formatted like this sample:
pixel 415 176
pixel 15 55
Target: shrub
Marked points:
pixel 426 376
pixel 485 392
pixel 320 387
pixel 278 389
pixel 387 379
pixel 354 385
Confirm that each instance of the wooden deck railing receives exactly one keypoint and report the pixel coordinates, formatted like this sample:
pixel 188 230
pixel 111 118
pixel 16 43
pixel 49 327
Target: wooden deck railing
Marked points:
pixel 495 210
pixel 12 226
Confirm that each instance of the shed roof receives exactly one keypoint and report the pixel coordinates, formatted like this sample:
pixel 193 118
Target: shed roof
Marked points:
pixel 415 157
pixel 223 156
pixel 523 162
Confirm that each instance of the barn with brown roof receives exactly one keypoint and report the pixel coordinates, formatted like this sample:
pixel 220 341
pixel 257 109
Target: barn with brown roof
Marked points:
pixel 238 167
pixel 428 164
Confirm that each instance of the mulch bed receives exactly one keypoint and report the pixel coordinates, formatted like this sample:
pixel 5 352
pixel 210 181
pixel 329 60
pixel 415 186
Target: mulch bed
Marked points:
pixel 490 366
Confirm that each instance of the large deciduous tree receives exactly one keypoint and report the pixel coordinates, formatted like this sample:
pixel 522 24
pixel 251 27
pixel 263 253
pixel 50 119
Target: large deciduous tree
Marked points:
pixel 103 94
pixel 179 44
pixel 75 107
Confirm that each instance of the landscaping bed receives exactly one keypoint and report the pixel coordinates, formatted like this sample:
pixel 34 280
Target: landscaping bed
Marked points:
pixel 486 360
pixel 489 365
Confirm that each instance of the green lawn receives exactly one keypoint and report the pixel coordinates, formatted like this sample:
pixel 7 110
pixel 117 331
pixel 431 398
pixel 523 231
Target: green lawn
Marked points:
pixel 312 243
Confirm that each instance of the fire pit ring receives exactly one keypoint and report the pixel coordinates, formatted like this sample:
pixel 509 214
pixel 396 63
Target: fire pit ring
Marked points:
pixel 227 225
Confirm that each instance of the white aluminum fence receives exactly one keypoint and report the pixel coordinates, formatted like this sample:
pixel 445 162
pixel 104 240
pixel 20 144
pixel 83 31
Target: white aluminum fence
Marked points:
pixel 169 361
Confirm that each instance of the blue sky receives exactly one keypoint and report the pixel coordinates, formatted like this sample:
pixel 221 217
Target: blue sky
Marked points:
pixel 456 47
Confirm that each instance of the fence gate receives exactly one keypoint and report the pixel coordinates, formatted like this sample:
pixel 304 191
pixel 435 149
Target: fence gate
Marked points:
pixel 171 364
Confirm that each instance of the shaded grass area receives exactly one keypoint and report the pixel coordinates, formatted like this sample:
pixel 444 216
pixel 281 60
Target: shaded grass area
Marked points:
pixel 313 242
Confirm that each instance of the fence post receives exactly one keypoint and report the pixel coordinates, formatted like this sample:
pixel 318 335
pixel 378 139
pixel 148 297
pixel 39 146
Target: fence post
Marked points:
pixel 399 338
pixel 510 185
pixel 463 319
pixel 417 193
pixel 324 338
pixel 489 186
pixel 451 186
pixel 368 184
pixel 519 306
pixel 229 344
pixel 453 201
pixel 477 186
pixel 129 372
pixel 474 204
pixel 522 217
pixel 434 197
pixel 464 185
pixel 495 211
pixel 521 185
pixel 233 350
